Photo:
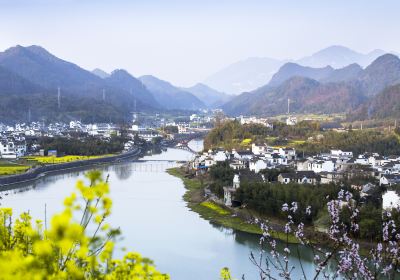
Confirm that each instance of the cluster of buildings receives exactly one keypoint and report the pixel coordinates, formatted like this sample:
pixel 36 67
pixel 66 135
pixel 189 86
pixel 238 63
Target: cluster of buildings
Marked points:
pixel 13 138
pixel 258 158
pixel 12 143
pixel 324 168
pixel 39 129
pixel 255 120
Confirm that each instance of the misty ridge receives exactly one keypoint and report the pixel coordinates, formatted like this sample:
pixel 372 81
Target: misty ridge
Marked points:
pixel 333 80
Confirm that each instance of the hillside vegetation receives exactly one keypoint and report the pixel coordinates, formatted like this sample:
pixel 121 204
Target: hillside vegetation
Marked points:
pixel 306 137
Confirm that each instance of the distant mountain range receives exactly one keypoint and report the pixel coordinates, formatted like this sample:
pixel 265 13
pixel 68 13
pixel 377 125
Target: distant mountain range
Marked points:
pixel 252 73
pixel 339 57
pixel 323 90
pixel 100 73
pixel 30 78
pixel 210 97
pixel 171 97
pixel 245 75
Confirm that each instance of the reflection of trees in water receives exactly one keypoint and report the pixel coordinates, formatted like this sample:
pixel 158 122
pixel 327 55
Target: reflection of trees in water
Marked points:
pixel 48 180
pixel 122 171
pixel 156 150
pixel 252 241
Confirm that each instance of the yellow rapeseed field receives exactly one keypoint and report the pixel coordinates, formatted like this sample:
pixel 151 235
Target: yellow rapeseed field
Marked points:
pixel 215 207
pixel 11 170
pixel 64 159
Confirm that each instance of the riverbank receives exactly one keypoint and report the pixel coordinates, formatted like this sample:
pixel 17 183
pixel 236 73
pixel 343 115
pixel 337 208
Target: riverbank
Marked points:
pixel 35 173
pixel 237 219
pixel 216 213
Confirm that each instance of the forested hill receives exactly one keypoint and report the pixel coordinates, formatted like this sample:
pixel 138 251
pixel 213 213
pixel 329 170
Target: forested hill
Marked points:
pixel 31 77
pixel 36 77
pixel 306 137
pixel 171 96
pixel 319 90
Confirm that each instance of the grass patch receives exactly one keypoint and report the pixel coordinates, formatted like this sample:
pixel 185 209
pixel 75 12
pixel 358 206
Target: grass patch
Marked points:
pixel 227 219
pixel 215 213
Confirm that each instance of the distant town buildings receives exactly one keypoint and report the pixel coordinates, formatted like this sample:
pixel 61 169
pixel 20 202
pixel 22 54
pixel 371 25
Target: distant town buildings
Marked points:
pixel 320 169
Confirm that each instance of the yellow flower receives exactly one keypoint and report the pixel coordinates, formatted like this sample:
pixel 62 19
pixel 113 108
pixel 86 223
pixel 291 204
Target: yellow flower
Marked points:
pixel 42 248
pixel 69 201
pixel 6 211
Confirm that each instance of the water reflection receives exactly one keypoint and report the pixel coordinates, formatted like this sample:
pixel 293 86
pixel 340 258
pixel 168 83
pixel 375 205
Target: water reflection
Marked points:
pixel 122 171
pixel 154 219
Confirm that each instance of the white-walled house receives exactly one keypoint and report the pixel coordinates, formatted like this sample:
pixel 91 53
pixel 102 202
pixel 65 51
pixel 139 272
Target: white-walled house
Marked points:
pixel 288 153
pixel 275 159
pixel 220 156
pixel 257 164
pixel 390 199
pixel 300 177
pixel 302 165
pixel 209 161
pixel 229 192
pixel 362 159
pixel 321 166
pixel 242 154
pixel 259 149
pixel 7 149
pixel 389 180
pixel 340 153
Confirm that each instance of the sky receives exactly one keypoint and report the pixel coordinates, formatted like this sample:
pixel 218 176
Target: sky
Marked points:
pixel 184 41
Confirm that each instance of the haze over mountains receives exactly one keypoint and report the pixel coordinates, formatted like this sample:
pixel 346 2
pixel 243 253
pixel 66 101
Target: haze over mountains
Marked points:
pixel 31 76
pixel 252 73
pixel 171 97
pixel 321 90
pixel 210 97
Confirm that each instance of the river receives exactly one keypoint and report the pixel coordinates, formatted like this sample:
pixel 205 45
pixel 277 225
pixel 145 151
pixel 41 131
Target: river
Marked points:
pixel 154 219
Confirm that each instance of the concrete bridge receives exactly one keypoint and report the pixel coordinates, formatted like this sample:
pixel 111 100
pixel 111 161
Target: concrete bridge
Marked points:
pixel 184 146
pixel 181 141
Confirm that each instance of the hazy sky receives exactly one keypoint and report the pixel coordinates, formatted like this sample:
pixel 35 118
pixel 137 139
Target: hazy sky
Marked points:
pixel 185 41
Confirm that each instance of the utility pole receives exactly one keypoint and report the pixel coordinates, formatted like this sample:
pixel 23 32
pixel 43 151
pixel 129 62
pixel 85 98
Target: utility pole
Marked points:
pixel 59 97
pixel 135 106
pixel 288 106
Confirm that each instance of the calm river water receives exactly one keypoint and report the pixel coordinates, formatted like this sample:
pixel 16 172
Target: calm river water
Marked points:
pixel 154 219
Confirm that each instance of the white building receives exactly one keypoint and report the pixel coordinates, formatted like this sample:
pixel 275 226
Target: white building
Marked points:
pixel 259 149
pixel 291 120
pixel 220 156
pixel 288 153
pixel 362 159
pixel 230 191
pixel 321 166
pixel 257 164
pixel 340 153
pixel 7 149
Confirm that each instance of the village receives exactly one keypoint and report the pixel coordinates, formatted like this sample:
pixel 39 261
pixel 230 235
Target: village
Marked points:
pixel 20 139
pixel 325 168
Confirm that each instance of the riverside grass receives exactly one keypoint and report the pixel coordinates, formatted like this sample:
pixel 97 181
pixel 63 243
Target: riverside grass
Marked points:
pixel 217 214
